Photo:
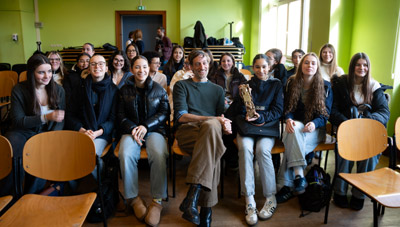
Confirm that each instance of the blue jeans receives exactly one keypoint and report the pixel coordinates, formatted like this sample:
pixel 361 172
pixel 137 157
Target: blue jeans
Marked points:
pixel 345 166
pixel 297 146
pixel 129 155
pixel 264 159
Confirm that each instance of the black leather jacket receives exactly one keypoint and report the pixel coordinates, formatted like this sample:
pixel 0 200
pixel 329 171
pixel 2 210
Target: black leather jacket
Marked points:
pixel 155 112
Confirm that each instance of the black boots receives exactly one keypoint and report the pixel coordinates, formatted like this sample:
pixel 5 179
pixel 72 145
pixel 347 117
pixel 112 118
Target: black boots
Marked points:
pixel 205 217
pixel 189 204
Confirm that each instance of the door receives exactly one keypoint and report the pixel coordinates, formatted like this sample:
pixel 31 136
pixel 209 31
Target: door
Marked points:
pixel 147 21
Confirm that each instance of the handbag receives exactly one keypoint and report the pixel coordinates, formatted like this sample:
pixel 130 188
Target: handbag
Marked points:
pixel 245 128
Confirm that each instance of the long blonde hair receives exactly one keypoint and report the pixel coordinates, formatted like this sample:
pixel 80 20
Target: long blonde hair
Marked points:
pixel 333 64
pixel 315 102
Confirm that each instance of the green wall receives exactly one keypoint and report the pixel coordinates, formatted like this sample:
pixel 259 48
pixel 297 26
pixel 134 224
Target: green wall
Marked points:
pixel 341 30
pixel 94 20
pixel 374 32
pixel 16 17
pixel 319 24
pixel 215 15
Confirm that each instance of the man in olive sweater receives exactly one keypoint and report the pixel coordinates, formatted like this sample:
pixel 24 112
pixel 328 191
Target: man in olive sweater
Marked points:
pixel 198 108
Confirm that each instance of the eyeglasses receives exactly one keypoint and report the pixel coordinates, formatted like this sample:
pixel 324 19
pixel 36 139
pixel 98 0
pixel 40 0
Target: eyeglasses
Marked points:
pixel 55 59
pixel 94 64
pixel 84 61
pixel 131 51
pixel 119 60
pixel 156 63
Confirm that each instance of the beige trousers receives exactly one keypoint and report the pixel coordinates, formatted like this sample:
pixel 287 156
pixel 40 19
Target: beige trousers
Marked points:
pixel 203 140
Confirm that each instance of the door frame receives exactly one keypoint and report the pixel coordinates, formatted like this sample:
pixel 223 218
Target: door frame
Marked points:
pixel 118 14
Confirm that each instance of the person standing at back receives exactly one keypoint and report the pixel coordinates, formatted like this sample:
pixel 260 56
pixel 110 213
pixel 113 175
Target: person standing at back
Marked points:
pixel 163 45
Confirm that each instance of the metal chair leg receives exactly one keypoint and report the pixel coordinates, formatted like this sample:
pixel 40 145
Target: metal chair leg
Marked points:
pixel 375 214
pixel 100 191
pixel 173 175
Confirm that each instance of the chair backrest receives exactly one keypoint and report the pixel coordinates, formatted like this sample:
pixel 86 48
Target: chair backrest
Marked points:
pixel 397 132
pixel 6 85
pixel 22 76
pixel 5 66
pixel 19 68
pixel 360 139
pixel 5 157
pixel 59 155
pixel 13 75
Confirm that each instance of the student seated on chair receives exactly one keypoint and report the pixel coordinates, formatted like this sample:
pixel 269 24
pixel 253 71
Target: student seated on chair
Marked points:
pixel 154 64
pixel 229 78
pixel 57 66
pixel 308 101
pixel 142 113
pixel 73 80
pixel 92 109
pixel 356 91
pixel 297 54
pixel 267 97
pixel 174 64
pixel 37 105
pixel 199 105
pixel 119 68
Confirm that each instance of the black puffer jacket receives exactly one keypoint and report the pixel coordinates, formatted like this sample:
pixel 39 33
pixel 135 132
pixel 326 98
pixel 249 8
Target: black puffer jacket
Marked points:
pixel 156 107
pixel 342 103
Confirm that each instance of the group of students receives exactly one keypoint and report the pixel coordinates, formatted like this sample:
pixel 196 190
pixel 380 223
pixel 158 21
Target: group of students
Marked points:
pixel 128 99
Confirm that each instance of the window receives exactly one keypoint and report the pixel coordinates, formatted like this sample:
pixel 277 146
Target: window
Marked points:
pixel 284 25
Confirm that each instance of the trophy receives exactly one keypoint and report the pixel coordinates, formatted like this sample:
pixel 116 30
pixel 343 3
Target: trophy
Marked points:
pixel 245 94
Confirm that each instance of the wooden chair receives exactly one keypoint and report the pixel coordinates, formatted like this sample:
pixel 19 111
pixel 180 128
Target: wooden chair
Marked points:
pixel 22 76
pixel 5 166
pixel 246 73
pixel 55 156
pixel 360 139
pixel 12 74
pixel 6 85
pixel 397 140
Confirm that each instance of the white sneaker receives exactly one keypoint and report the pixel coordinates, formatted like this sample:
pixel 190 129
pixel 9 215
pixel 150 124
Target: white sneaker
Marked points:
pixel 268 210
pixel 251 215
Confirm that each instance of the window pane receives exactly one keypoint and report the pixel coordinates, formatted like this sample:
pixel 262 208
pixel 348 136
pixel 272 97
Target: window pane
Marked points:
pixel 294 26
pixel 281 29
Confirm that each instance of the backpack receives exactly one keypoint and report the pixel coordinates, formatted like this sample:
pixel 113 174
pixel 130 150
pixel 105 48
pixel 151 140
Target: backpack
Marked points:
pixel 109 189
pixel 317 193
pixel 188 42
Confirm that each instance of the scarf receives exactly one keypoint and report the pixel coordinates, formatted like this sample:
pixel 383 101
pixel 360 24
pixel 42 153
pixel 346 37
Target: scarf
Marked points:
pixel 101 88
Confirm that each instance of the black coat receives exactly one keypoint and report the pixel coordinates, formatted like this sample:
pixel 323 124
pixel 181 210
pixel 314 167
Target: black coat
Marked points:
pixel 155 112
pixel 81 114
pixel 342 103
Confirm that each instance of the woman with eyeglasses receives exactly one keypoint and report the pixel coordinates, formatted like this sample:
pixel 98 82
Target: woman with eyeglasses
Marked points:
pixel 131 51
pixel 154 64
pixel 57 66
pixel 119 68
pixel 37 105
pixel 92 109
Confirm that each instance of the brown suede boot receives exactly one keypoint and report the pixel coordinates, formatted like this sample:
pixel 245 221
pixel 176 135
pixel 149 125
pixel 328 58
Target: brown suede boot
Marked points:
pixel 154 215
pixel 139 208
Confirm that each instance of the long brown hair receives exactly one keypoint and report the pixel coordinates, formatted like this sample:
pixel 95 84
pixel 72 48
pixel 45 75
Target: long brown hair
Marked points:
pixel 365 85
pixel 333 64
pixel 33 63
pixel 315 102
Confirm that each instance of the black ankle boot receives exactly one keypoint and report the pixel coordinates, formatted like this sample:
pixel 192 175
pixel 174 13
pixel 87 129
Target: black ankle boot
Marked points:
pixel 205 216
pixel 189 204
